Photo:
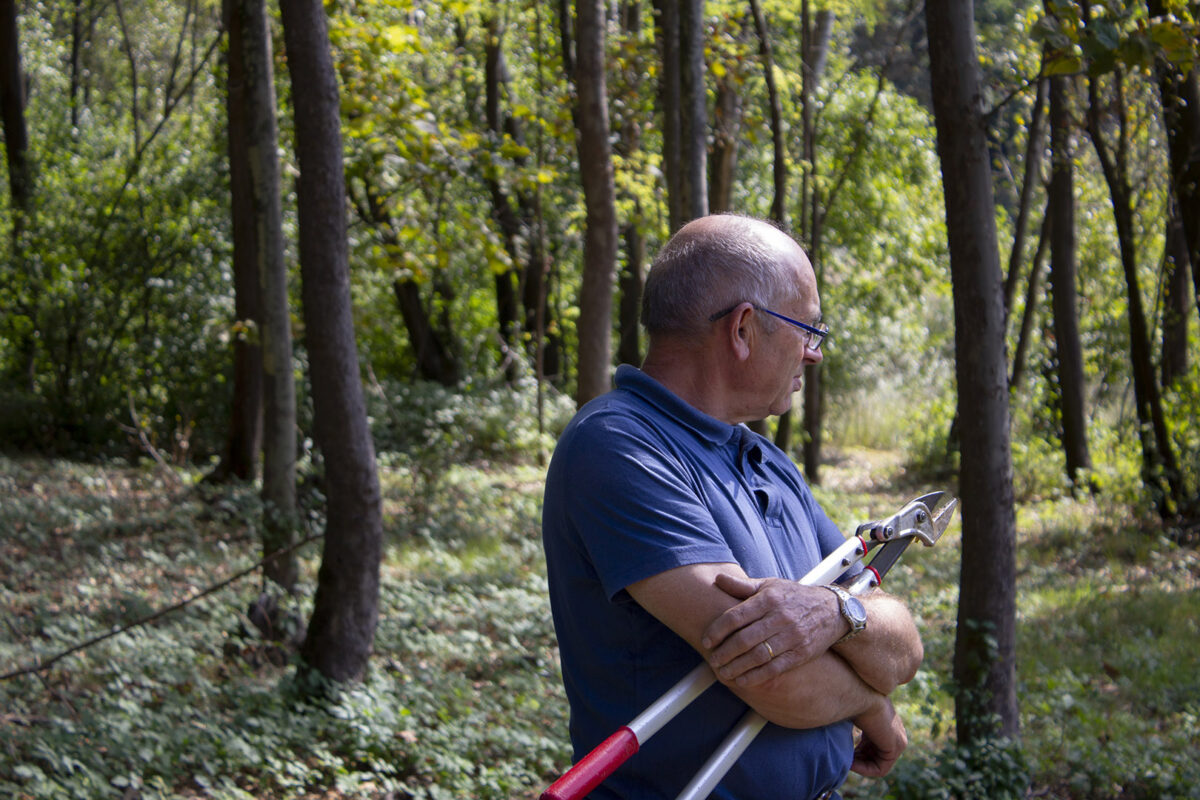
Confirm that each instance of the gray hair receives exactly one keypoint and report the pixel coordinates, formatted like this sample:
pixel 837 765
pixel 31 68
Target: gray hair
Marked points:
pixel 711 265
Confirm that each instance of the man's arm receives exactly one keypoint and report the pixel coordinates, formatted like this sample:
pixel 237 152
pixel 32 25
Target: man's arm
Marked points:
pixel 800 622
pixel 823 690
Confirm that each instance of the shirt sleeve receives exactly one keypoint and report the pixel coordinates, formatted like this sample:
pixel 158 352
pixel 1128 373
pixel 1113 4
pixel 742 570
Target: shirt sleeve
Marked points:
pixel 634 507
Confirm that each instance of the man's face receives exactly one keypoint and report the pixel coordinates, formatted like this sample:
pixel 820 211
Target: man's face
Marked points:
pixel 783 351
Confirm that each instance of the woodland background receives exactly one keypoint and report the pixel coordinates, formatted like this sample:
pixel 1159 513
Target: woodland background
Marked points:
pixel 294 300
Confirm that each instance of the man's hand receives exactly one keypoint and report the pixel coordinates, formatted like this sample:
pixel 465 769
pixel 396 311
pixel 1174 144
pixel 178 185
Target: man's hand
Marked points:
pixel 797 623
pixel 883 740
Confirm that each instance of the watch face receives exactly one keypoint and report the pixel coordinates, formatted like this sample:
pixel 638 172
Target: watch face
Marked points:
pixel 856 610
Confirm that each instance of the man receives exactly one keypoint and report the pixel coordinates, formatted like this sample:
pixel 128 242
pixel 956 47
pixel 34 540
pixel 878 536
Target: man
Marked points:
pixel 674 533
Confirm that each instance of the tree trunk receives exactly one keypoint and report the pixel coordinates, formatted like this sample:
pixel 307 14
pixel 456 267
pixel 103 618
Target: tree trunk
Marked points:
pixel 1176 300
pixel 240 459
pixel 596 170
pixel 727 123
pixel 1159 468
pixel 513 227
pixel 1067 346
pixel 984 652
pixel 815 33
pixel 632 275
pixel 693 127
pixel 12 108
pixel 1032 293
pixel 1180 94
pixel 685 108
pixel 670 95
pixel 630 283
pixel 434 361
pixel 346 607
pixel 779 171
pixel 279 390
pixel 1034 145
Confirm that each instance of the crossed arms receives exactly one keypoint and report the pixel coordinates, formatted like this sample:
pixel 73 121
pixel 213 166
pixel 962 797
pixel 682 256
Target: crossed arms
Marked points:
pixel 809 682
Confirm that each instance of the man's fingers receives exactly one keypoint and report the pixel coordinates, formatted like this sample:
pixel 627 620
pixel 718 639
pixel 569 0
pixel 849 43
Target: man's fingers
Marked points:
pixel 737 617
pixel 735 586
pixel 883 741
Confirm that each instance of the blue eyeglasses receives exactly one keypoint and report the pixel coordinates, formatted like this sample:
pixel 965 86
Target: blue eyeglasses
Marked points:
pixel 816 333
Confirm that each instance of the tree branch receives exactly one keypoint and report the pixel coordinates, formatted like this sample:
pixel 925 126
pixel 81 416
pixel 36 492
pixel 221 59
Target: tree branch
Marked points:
pixel 46 663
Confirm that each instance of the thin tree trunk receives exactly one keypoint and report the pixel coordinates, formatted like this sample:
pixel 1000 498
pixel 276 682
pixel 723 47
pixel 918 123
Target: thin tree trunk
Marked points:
pixel 600 237
pixel 279 390
pixel 694 110
pixel 670 94
pixel 1034 146
pixel 346 606
pixel 12 108
pixel 779 171
pixel 512 226
pixel 632 274
pixel 985 645
pixel 1159 468
pixel 1180 94
pixel 1032 293
pixel 685 108
pixel 1067 346
pixel 1176 300
pixel 630 283
pixel 244 443
pixel 814 37
pixel 434 360
pixel 727 124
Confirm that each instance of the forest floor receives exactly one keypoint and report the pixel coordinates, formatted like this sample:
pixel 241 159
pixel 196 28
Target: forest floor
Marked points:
pixel 463 698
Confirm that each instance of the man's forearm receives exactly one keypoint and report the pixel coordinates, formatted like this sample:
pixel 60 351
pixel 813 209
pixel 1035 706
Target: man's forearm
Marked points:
pixel 820 692
pixel 889 652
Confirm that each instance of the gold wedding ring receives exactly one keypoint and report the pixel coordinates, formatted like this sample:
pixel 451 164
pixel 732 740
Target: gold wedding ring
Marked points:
pixel 770 652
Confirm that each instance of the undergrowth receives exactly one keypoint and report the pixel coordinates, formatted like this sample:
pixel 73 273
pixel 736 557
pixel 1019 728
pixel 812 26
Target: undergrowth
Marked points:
pixel 463 697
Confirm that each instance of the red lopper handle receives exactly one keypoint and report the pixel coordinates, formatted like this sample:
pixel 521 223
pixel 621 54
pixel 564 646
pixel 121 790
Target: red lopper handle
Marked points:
pixel 594 767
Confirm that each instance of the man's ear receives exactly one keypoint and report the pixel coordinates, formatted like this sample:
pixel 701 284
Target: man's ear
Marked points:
pixel 740 333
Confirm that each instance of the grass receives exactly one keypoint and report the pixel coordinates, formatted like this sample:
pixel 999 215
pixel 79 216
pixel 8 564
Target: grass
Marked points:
pixel 463 697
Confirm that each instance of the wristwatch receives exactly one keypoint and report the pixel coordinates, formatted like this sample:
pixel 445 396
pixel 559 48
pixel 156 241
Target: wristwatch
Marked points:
pixel 853 611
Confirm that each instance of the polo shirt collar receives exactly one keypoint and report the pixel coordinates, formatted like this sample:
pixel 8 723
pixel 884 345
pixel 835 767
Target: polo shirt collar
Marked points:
pixel 710 429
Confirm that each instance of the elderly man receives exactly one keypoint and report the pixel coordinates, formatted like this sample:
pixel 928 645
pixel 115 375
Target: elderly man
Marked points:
pixel 672 533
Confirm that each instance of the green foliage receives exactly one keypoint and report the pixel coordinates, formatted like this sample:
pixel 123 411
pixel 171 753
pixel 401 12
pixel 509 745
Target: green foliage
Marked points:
pixel 428 422
pixel 113 307
pixel 993 769
pixel 463 698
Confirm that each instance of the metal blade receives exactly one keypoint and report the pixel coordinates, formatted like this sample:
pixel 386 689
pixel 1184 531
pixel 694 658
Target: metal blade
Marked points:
pixel 941 520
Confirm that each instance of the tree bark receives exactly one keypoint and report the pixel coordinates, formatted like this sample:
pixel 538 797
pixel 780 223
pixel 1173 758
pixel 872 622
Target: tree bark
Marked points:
pixel 815 33
pixel 1034 146
pixel 680 29
pixel 670 95
pixel 279 390
pixel 1159 468
pixel 1180 94
pixel 693 127
pixel 1176 300
pixel 1067 346
pixel 12 108
pixel 779 171
pixel 984 653
pixel 630 283
pixel 600 237
pixel 513 227
pixel 632 274
pixel 727 123
pixel 244 442
pixel 1032 293
pixel 346 607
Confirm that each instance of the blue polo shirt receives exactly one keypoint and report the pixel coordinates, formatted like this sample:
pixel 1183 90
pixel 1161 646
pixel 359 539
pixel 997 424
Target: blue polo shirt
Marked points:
pixel 641 483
